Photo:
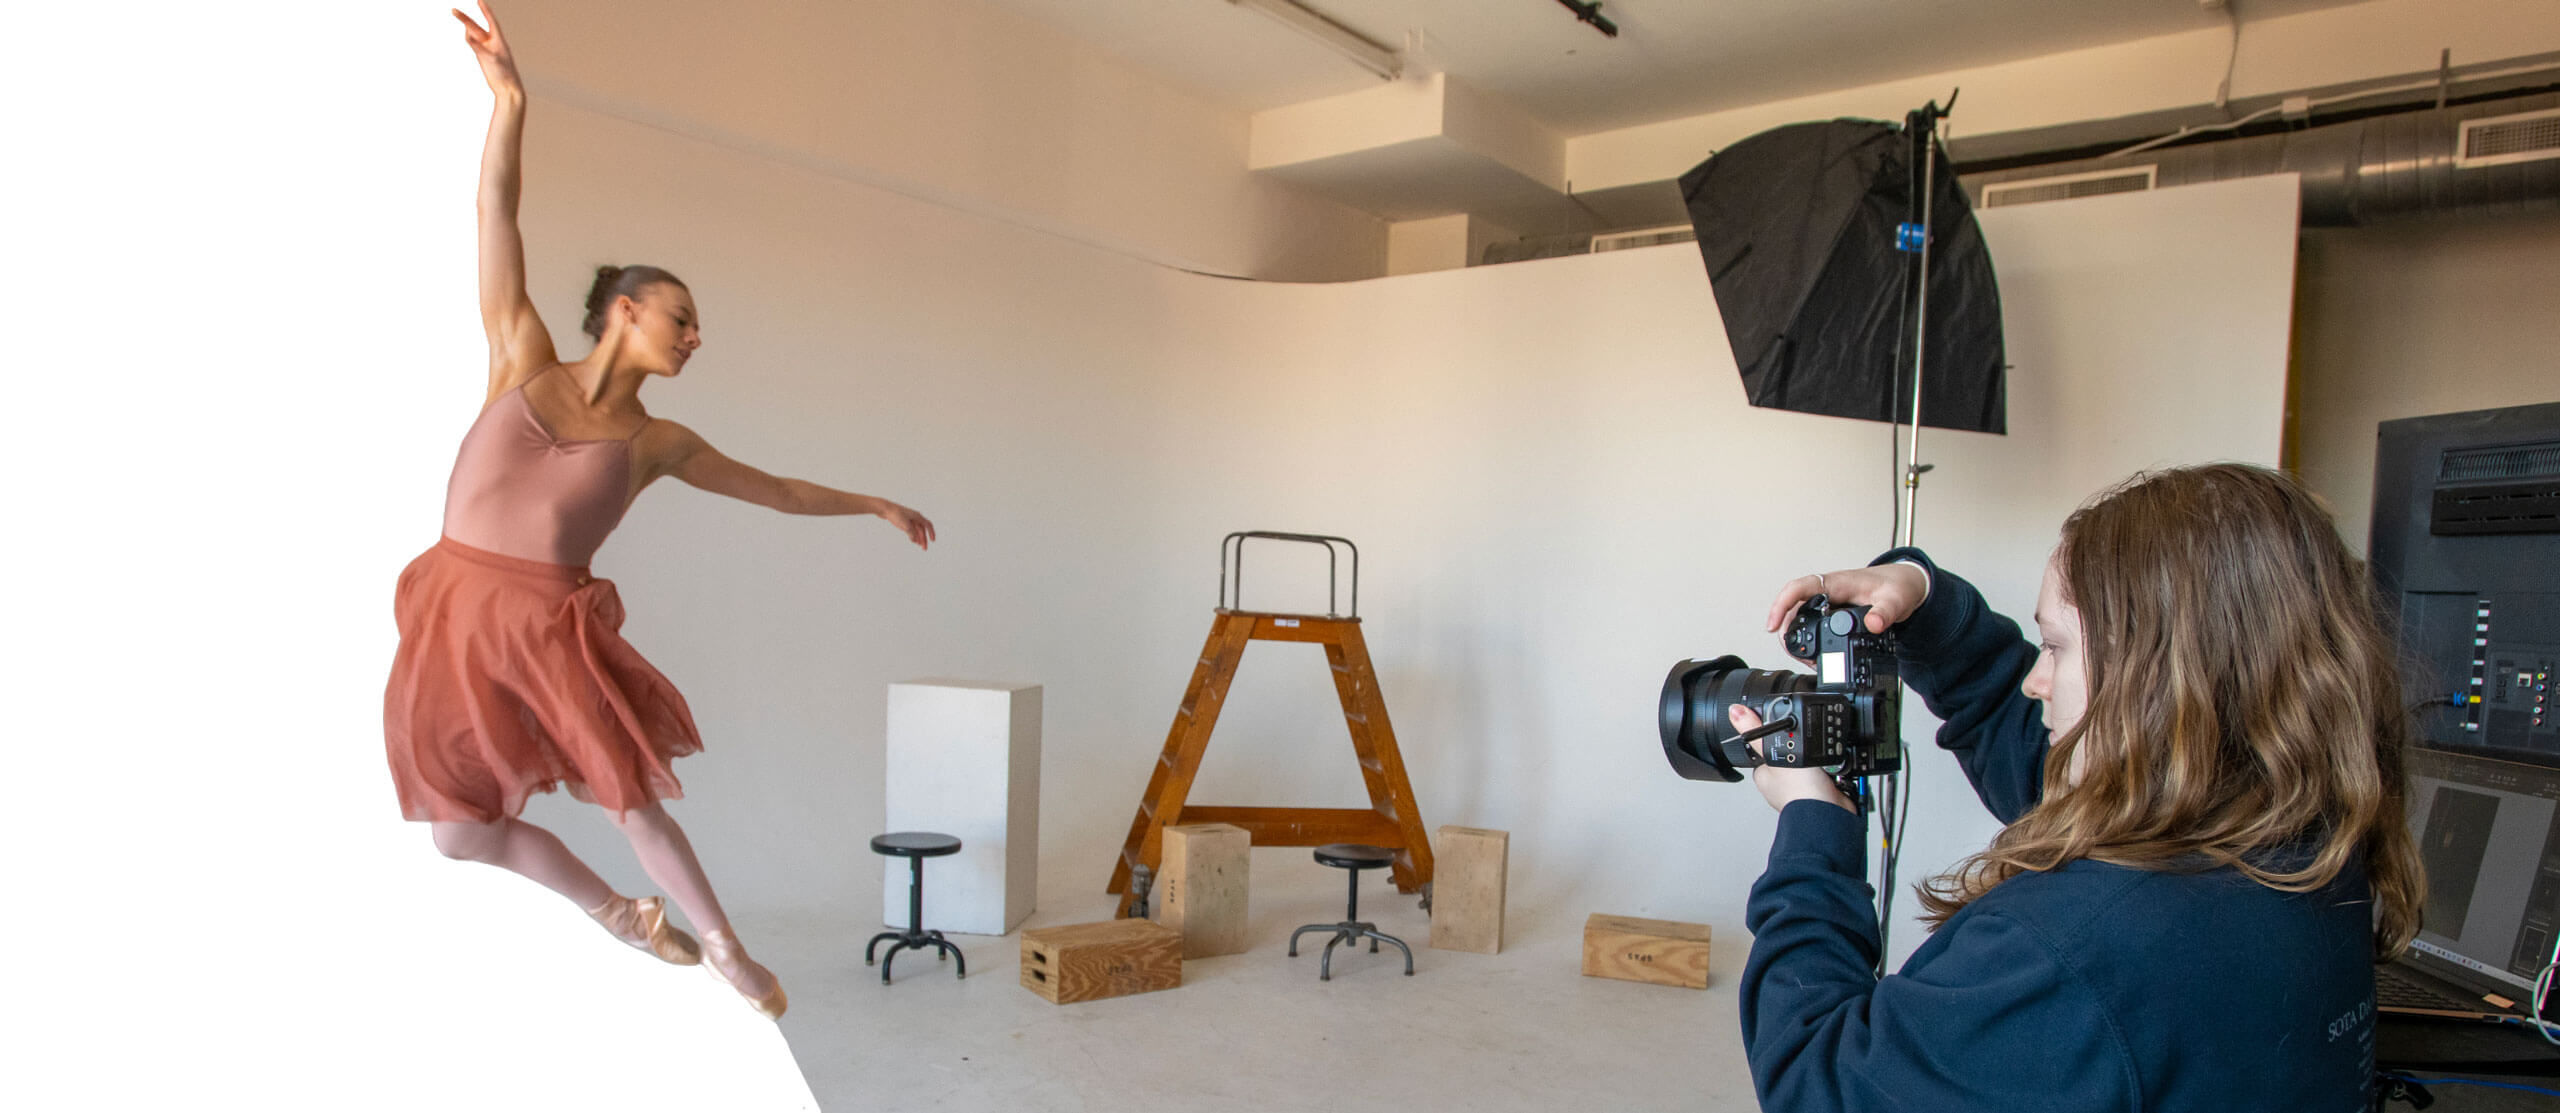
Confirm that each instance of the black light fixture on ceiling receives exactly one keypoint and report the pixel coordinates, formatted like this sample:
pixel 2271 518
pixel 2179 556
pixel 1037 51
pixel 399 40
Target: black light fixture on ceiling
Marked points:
pixel 1589 12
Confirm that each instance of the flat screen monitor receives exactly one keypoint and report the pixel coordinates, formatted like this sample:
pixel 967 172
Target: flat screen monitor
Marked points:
pixel 2466 542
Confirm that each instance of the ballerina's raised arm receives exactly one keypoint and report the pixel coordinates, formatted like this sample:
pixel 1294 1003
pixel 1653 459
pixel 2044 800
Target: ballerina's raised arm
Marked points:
pixel 519 345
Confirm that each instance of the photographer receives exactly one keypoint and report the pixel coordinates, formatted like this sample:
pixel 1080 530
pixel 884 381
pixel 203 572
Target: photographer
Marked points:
pixel 2206 852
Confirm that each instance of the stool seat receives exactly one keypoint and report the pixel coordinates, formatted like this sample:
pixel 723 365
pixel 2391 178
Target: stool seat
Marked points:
pixel 1355 856
pixel 914 844
pixel 915 847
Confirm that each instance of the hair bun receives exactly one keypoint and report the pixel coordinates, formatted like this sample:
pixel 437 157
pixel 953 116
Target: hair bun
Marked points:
pixel 615 281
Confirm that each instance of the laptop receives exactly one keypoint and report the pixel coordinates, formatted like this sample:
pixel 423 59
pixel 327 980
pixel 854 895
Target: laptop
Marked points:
pixel 2489 834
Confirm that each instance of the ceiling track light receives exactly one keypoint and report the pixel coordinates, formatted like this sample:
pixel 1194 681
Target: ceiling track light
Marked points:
pixel 1590 13
pixel 1363 51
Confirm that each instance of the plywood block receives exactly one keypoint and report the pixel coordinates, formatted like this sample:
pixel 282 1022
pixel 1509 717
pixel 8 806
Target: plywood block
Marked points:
pixel 1467 889
pixel 1114 958
pixel 1203 887
pixel 1664 952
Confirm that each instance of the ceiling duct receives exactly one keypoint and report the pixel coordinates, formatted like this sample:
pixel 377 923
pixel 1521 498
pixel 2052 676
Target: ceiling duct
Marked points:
pixel 2355 171
pixel 2063 187
pixel 1644 237
pixel 1525 248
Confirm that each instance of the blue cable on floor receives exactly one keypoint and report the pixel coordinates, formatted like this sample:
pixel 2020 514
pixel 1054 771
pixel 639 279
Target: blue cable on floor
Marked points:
pixel 2483 1082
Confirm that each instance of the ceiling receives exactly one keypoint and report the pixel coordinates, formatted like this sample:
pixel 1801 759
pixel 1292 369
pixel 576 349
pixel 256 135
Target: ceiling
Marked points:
pixel 1672 58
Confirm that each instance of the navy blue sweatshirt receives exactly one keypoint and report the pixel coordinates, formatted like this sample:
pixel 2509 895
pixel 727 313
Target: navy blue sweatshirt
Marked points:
pixel 2089 987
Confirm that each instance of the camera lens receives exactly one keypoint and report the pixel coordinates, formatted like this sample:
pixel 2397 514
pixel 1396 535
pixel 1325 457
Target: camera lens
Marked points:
pixel 1696 735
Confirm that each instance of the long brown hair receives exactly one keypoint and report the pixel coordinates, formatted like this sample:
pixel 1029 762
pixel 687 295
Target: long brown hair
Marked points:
pixel 2244 704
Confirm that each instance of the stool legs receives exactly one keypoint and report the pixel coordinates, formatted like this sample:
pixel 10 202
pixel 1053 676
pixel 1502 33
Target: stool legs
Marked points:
pixel 1351 930
pixel 915 937
pixel 1293 936
pixel 876 940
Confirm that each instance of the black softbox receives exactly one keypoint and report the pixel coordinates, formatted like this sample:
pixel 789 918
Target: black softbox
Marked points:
pixel 1797 225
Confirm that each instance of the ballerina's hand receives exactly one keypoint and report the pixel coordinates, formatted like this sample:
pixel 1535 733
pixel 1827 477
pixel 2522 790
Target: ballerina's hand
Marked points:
pixel 1780 785
pixel 917 527
pixel 497 59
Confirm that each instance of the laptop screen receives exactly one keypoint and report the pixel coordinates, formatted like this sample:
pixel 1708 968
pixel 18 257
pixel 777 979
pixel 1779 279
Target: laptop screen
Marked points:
pixel 2489 834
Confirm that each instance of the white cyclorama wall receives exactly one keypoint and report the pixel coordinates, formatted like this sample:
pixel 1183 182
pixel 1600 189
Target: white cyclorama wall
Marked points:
pixel 1556 485
pixel 963 103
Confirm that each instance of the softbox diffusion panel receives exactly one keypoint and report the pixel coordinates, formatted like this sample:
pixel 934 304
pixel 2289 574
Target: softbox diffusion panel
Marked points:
pixel 1797 228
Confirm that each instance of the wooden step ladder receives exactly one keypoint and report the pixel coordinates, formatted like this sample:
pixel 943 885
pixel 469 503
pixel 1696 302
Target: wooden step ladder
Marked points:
pixel 1391 820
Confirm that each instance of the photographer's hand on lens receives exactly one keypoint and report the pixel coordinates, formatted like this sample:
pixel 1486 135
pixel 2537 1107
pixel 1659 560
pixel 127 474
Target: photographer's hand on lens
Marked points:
pixel 1779 785
pixel 1892 590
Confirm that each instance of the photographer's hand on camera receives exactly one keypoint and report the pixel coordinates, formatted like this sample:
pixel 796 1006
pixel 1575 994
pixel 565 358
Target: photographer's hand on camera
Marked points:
pixel 1893 590
pixel 1780 785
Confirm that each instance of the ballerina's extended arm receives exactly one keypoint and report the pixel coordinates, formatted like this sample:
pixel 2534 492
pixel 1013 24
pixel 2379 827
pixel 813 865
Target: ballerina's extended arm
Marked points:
pixel 682 453
pixel 519 345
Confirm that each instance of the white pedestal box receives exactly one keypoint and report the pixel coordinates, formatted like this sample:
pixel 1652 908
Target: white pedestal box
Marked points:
pixel 964 760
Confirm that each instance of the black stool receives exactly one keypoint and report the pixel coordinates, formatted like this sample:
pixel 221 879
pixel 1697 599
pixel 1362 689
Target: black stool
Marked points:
pixel 914 846
pixel 1354 857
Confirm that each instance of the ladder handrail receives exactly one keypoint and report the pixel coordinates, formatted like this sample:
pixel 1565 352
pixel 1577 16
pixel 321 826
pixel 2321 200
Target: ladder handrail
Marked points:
pixel 1231 552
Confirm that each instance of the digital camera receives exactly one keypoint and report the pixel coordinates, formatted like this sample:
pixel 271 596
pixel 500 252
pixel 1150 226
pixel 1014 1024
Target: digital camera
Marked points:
pixel 1847 717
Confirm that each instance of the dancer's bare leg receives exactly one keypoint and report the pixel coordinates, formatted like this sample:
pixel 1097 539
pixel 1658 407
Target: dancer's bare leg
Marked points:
pixel 668 857
pixel 516 845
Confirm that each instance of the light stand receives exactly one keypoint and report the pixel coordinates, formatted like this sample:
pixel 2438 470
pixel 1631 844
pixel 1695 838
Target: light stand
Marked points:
pixel 1913 237
pixel 1921 125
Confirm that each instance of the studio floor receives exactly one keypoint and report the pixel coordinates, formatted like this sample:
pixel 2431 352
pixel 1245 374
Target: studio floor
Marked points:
pixel 1521 1030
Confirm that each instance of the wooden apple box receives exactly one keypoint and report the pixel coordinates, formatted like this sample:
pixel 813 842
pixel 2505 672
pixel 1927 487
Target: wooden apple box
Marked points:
pixel 1202 883
pixel 1114 958
pixel 1631 948
pixel 1466 889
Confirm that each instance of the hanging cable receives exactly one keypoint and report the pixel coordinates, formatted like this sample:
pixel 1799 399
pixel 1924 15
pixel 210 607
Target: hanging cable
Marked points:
pixel 2222 92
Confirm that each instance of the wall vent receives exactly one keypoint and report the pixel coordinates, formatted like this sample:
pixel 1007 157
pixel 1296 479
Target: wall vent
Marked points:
pixel 2504 508
pixel 2498 140
pixel 1644 237
pixel 2062 187
pixel 2508 488
pixel 2500 462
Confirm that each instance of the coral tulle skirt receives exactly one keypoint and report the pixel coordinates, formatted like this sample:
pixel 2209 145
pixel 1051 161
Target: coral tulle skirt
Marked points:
pixel 512 678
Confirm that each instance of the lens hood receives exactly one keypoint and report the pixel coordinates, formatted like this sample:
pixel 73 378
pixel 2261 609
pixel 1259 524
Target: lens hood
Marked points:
pixel 1691 723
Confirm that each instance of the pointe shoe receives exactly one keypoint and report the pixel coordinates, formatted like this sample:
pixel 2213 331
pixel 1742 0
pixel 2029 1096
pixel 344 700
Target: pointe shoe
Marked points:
pixel 643 924
pixel 721 948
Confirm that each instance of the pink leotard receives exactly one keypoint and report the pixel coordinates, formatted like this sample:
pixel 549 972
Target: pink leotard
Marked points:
pixel 522 492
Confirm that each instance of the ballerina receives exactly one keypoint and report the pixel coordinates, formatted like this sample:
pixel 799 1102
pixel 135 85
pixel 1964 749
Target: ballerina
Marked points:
pixel 512 677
